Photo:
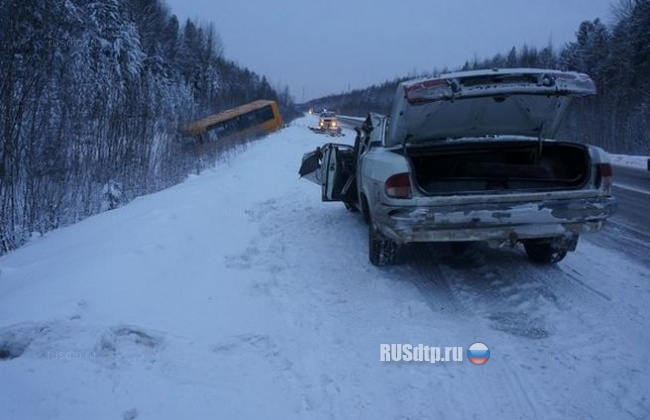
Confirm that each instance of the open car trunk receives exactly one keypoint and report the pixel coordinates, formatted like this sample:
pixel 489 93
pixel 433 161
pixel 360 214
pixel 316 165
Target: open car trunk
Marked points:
pixel 499 167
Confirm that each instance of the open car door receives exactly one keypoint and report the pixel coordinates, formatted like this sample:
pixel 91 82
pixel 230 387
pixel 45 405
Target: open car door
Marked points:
pixel 333 167
pixel 312 168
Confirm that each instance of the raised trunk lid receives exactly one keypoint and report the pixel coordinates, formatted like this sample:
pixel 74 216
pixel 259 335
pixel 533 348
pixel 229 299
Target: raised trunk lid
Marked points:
pixel 525 102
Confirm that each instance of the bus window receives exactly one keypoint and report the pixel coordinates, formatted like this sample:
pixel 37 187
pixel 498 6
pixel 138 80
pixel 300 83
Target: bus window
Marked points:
pixel 265 114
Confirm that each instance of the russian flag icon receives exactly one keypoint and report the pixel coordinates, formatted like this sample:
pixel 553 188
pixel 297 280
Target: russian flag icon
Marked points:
pixel 478 353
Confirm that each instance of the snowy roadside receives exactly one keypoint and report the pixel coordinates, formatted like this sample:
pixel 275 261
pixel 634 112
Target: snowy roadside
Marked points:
pixel 238 294
pixel 639 162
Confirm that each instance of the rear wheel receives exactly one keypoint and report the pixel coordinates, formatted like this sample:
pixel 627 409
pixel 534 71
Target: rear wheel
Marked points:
pixel 382 250
pixel 459 248
pixel 544 252
pixel 364 210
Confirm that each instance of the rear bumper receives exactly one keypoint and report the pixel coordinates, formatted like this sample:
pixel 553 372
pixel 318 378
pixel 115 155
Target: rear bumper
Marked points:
pixel 500 222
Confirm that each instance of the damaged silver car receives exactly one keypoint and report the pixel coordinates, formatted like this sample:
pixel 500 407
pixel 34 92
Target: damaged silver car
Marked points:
pixel 471 156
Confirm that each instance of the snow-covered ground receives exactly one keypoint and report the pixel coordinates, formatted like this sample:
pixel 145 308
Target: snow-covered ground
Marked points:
pixel 239 295
pixel 631 161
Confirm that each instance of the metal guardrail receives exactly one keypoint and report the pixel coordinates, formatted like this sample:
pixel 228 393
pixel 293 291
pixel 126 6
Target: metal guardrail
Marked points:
pixel 351 121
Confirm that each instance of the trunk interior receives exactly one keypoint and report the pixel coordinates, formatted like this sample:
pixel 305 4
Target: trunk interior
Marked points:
pixel 493 166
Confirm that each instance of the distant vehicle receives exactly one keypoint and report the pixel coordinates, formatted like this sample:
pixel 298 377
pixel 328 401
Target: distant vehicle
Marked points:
pixel 467 157
pixel 250 120
pixel 328 124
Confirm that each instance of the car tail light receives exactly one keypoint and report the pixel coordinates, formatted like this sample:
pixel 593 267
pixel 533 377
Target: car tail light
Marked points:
pixel 399 186
pixel 605 177
pixel 428 91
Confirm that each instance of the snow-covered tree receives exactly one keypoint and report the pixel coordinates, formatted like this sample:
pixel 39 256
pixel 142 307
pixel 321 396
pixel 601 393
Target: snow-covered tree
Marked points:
pixel 94 93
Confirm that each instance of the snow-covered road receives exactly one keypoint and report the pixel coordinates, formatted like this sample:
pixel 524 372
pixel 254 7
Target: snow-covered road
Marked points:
pixel 239 295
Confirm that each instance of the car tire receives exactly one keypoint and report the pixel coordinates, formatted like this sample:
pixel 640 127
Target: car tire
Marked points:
pixel 365 211
pixel 544 253
pixel 382 250
pixel 459 248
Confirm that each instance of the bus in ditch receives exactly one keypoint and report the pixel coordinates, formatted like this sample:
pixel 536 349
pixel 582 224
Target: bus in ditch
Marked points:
pixel 244 122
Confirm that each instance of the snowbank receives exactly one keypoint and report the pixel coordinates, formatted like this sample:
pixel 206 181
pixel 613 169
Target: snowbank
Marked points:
pixel 631 161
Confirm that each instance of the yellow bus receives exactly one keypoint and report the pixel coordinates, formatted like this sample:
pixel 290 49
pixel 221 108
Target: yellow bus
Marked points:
pixel 251 120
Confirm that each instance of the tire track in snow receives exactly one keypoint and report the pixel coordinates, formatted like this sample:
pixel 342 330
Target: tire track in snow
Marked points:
pixel 560 307
pixel 425 272
pixel 497 285
pixel 524 302
pixel 624 238
pixel 575 276
pixel 276 247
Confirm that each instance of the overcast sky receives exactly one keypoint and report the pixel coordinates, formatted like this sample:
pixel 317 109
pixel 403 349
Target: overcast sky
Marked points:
pixel 324 47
